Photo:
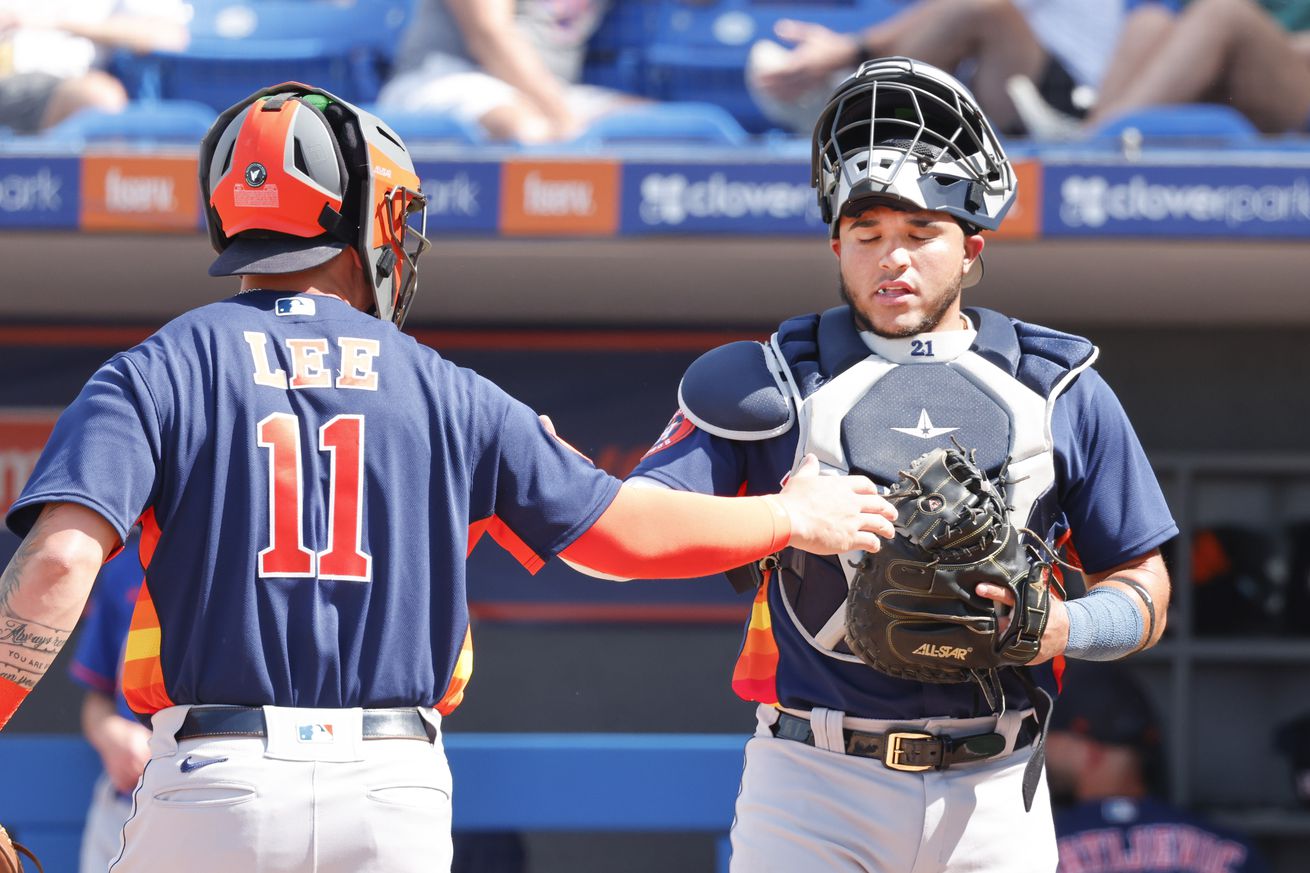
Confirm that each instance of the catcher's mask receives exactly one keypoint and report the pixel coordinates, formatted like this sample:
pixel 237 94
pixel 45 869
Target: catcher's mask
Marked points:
pixel 294 175
pixel 904 133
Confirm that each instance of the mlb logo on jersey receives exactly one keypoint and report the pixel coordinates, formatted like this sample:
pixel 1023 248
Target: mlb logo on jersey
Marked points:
pixel 295 306
pixel 314 733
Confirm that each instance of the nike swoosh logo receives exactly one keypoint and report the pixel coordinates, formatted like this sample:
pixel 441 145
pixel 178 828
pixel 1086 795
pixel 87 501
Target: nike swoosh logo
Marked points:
pixel 190 763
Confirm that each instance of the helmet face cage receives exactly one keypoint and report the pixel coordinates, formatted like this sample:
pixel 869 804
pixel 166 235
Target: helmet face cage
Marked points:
pixel 905 131
pixel 399 206
pixel 378 185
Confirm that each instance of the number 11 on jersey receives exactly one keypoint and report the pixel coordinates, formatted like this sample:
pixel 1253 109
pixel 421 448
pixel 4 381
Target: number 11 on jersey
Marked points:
pixel 286 555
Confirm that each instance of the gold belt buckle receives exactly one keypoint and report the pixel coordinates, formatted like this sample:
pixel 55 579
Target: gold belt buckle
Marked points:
pixel 896 751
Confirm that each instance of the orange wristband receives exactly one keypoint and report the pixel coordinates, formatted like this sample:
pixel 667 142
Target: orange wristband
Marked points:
pixel 11 696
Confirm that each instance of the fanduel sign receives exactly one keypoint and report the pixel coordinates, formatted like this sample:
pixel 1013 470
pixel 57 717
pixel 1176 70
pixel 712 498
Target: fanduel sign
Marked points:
pixel 1177 201
pixel 760 198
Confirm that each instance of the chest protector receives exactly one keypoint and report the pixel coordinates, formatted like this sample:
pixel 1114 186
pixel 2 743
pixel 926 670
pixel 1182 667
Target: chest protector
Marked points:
pixel 868 405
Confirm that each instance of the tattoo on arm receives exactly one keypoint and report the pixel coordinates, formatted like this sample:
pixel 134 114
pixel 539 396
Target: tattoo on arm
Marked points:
pixel 27 648
pixel 17 566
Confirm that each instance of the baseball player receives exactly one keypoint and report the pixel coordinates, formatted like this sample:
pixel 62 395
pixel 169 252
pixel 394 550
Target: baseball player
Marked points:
pixel 1106 768
pixel 108 724
pixel 851 769
pixel 309 481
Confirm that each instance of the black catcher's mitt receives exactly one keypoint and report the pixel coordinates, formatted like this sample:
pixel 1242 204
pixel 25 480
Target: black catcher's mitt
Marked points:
pixel 912 611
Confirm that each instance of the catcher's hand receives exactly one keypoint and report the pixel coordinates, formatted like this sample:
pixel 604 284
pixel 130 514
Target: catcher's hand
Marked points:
pixel 10 860
pixel 913 609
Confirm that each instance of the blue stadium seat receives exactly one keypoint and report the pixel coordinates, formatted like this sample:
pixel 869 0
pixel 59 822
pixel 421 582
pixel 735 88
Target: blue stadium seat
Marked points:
pixel 683 123
pixel 616 52
pixel 166 121
pixel 698 49
pixel 1203 122
pixel 419 126
pixel 238 47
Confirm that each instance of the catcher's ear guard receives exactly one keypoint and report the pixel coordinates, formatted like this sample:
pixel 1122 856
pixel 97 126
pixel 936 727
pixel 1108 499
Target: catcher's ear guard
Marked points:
pixel 293 174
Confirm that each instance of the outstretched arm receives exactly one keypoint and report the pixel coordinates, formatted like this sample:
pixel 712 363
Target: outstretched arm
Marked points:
pixel 42 593
pixel 660 533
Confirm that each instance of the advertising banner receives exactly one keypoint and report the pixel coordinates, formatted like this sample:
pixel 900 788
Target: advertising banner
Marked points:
pixel 140 192
pixel 463 196
pixel 39 192
pixel 1024 220
pixel 746 199
pixel 559 198
pixel 1192 201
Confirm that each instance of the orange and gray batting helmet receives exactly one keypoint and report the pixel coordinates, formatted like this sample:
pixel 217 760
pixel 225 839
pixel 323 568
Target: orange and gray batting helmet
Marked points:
pixel 293 175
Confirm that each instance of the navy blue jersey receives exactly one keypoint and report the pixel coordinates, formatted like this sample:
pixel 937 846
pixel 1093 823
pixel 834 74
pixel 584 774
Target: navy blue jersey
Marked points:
pixel 307 477
pixel 1122 835
pixel 102 637
pixel 1105 496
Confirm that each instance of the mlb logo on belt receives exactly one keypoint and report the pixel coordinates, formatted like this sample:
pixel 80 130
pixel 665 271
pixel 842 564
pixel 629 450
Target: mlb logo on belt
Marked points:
pixel 314 733
pixel 295 306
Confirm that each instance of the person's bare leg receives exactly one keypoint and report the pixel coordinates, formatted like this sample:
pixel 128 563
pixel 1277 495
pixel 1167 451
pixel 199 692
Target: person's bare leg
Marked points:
pixel 1301 43
pixel 946 32
pixel 1267 78
pixel 1232 47
pixel 1144 30
pixel 95 90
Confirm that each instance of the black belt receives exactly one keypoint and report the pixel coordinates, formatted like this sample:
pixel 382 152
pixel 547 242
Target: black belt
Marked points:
pixel 912 751
pixel 247 721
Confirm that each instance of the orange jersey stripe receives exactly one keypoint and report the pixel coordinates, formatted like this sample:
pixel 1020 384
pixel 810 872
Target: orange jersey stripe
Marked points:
pixel 143 674
pixel 512 543
pixel 149 536
pixel 476 530
pixel 454 695
pixel 1063 544
pixel 755 675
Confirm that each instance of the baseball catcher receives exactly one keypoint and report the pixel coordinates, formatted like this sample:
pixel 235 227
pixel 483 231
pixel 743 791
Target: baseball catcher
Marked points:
pixel 913 612
pixel 10 852
pixel 848 763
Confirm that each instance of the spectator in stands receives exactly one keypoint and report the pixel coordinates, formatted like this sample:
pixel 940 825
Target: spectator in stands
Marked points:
pixel 52 55
pixel 1065 46
pixel 1104 761
pixel 1227 51
pixel 513 67
pixel 109 726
